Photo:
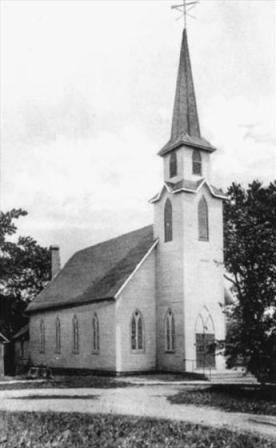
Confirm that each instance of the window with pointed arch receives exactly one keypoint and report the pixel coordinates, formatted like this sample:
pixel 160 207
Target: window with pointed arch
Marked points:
pixel 169 331
pixel 95 334
pixel 42 337
pixel 203 221
pixel 137 332
pixel 197 162
pixel 173 164
pixel 58 336
pixel 168 231
pixel 75 325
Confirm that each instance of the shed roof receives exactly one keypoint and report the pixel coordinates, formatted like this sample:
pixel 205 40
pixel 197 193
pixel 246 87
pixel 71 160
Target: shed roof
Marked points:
pixel 3 335
pixel 97 272
pixel 24 331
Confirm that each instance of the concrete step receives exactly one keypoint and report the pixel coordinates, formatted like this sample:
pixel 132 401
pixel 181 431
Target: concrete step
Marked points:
pixel 231 376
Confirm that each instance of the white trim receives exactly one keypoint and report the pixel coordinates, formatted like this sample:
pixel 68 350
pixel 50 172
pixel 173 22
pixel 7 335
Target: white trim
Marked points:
pixel 4 337
pixel 222 196
pixel 189 190
pixel 136 269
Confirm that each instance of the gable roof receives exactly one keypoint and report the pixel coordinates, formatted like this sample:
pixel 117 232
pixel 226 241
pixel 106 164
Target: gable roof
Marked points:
pixel 190 186
pixel 97 272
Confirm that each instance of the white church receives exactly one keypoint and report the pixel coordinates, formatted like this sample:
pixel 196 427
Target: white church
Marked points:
pixel 149 300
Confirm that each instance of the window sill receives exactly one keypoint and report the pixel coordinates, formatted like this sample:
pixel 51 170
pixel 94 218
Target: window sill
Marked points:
pixel 170 352
pixel 138 352
pixel 95 352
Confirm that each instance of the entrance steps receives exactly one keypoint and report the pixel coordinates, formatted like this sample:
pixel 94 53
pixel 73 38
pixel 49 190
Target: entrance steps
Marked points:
pixel 230 376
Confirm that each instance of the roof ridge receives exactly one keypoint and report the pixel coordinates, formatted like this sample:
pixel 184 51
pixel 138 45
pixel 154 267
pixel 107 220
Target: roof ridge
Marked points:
pixel 110 240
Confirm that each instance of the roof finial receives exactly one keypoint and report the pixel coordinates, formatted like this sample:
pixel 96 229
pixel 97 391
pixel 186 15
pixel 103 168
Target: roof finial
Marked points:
pixel 184 8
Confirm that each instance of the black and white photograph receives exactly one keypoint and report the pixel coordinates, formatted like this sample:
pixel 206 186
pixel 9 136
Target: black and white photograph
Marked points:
pixel 138 224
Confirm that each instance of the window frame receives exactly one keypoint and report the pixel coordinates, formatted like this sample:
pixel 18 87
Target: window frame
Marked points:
pixel 203 220
pixel 42 337
pixel 58 336
pixel 95 334
pixel 173 164
pixel 138 336
pixel 197 162
pixel 170 335
pixel 168 221
pixel 76 340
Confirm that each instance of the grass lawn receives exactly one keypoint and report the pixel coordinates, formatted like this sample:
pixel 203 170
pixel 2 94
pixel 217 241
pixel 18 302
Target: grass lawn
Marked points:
pixel 49 430
pixel 250 399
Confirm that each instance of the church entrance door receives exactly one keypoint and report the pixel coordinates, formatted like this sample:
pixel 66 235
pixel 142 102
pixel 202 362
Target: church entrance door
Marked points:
pixel 205 350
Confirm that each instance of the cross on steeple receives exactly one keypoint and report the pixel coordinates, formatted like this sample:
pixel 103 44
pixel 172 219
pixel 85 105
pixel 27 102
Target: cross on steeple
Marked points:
pixel 184 8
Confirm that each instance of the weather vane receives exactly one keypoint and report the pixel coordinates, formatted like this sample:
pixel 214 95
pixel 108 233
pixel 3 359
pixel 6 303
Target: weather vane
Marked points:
pixel 185 8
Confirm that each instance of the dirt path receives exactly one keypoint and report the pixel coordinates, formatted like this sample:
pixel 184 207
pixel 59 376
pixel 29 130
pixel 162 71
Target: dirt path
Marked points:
pixel 149 401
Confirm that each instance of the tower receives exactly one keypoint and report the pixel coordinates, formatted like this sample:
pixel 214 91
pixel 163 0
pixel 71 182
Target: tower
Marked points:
pixel 188 223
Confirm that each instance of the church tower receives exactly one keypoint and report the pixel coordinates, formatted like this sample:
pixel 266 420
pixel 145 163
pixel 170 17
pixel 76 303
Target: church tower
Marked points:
pixel 188 223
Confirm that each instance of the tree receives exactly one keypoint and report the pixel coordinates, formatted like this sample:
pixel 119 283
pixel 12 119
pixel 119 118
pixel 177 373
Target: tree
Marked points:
pixel 25 269
pixel 250 258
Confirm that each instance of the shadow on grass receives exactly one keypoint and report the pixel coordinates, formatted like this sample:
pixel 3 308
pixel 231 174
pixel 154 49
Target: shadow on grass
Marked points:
pixel 56 397
pixel 232 398
pixel 69 382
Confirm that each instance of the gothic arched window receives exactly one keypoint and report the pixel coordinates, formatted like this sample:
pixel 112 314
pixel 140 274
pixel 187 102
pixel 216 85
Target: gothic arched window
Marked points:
pixel 173 164
pixel 95 334
pixel 197 163
pixel 137 332
pixel 169 332
pixel 58 336
pixel 168 233
pixel 203 226
pixel 42 337
pixel 75 326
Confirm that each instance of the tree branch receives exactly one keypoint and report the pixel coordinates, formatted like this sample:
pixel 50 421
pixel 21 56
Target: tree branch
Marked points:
pixel 230 280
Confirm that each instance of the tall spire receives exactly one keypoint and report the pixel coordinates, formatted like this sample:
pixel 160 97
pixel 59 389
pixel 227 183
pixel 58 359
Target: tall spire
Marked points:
pixel 185 123
pixel 185 117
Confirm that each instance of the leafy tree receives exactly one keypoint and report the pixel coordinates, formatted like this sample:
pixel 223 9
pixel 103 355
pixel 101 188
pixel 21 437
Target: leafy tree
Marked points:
pixel 24 269
pixel 250 258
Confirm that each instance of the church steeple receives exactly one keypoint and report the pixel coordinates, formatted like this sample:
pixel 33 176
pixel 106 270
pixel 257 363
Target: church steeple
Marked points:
pixel 185 117
pixel 185 123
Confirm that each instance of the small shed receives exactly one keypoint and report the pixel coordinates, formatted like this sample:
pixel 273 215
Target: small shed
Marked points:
pixel 3 353
pixel 21 349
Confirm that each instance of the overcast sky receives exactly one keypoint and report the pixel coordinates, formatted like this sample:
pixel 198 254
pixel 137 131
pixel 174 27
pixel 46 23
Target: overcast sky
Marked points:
pixel 87 91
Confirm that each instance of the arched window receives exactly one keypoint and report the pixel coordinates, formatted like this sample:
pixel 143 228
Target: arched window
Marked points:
pixel 197 163
pixel 58 338
pixel 42 337
pixel 173 164
pixel 168 221
pixel 205 340
pixel 137 332
pixel 169 332
pixel 75 334
pixel 95 334
pixel 203 226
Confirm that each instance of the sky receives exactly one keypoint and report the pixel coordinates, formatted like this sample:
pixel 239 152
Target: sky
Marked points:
pixel 87 91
